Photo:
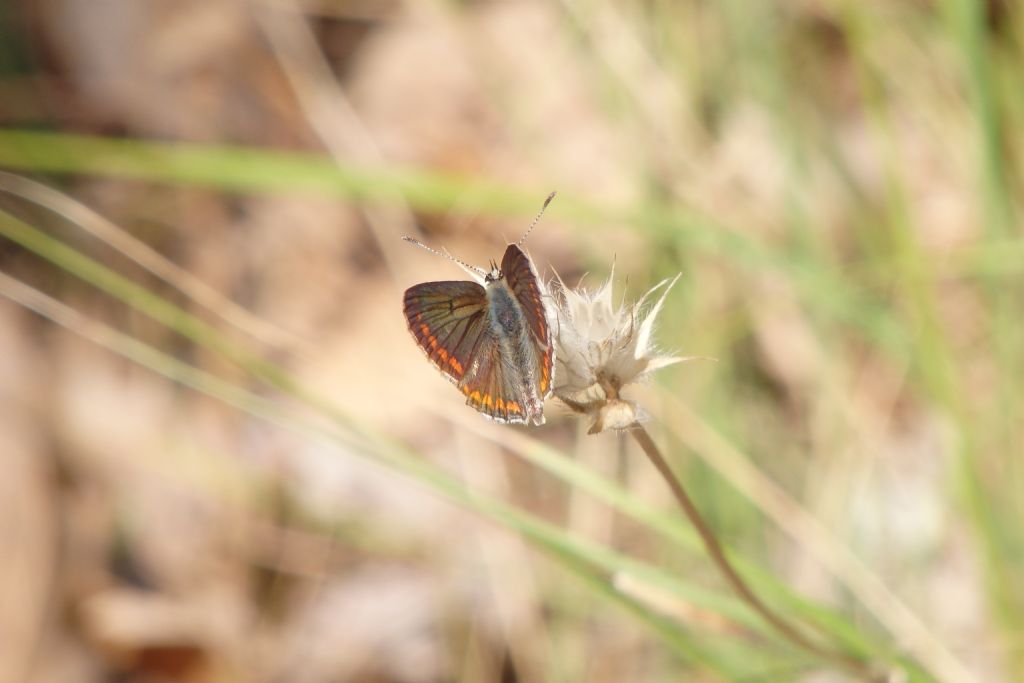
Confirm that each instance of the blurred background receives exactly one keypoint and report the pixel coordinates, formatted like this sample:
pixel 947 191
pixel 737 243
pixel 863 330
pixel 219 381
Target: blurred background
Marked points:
pixel 224 459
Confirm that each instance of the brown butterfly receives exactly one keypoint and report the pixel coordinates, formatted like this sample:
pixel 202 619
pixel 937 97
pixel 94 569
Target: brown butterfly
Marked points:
pixel 491 338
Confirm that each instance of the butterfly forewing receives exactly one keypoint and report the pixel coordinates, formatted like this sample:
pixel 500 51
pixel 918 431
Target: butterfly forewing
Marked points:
pixel 523 281
pixel 447 319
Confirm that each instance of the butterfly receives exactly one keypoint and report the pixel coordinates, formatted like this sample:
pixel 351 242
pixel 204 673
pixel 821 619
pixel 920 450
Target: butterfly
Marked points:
pixel 490 337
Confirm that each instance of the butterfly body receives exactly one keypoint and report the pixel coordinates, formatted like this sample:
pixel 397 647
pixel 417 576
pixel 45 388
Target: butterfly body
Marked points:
pixel 492 339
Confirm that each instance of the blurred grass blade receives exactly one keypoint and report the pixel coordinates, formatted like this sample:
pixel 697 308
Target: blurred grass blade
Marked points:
pixel 145 256
pixel 239 169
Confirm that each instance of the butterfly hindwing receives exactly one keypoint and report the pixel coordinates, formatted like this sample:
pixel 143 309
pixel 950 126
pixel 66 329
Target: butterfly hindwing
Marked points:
pixel 523 281
pixel 448 320
pixel 490 386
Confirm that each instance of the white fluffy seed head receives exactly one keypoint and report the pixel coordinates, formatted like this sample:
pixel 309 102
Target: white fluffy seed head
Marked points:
pixel 601 348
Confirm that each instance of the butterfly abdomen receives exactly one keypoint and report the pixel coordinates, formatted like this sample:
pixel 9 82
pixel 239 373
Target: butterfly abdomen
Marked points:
pixel 510 326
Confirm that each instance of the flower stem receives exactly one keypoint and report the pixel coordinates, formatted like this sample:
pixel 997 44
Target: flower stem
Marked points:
pixel 784 628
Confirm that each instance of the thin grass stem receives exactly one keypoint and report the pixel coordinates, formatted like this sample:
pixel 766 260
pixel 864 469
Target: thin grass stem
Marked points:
pixel 717 554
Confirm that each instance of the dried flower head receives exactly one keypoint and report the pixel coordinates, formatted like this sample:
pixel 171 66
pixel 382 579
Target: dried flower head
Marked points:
pixel 601 348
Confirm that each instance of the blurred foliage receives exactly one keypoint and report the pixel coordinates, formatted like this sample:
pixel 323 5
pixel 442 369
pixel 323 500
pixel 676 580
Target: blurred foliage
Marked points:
pixel 223 452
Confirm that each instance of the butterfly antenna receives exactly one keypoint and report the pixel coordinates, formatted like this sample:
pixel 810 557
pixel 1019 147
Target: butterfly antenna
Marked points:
pixel 447 255
pixel 535 220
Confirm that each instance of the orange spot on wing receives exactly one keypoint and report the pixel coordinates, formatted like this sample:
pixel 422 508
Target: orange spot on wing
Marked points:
pixel 513 407
pixel 456 365
pixel 430 339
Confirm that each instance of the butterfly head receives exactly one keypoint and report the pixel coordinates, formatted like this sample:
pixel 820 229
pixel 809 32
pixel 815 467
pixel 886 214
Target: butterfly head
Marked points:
pixel 494 274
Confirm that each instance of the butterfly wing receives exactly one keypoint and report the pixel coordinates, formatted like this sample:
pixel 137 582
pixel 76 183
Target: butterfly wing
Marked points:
pixel 448 321
pixel 491 387
pixel 523 281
